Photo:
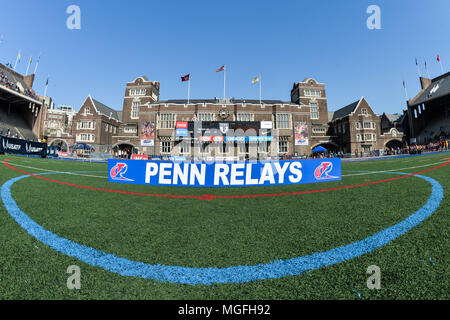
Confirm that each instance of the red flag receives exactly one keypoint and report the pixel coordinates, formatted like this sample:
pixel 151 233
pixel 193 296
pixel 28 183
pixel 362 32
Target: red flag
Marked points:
pixel 186 77
pixel 222 68
pixel 438 58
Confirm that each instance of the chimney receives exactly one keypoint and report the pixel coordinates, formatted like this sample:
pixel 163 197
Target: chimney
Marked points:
pixel 425 82
pixel 29 80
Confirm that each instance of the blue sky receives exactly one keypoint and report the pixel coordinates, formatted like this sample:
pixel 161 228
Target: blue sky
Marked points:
pixel 284 41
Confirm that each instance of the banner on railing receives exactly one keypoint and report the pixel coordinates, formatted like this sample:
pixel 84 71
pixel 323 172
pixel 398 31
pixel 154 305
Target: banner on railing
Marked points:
pixel 223 174
pixel 25 147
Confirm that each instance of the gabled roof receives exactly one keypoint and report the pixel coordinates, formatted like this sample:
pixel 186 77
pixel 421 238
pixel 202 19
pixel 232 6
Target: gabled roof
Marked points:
pixel 347 110
pixel 393 117
pixel 439 87
pixel 104 110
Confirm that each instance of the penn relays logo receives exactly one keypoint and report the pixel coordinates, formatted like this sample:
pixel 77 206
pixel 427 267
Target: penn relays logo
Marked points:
pixel 322 172
pixel 118 171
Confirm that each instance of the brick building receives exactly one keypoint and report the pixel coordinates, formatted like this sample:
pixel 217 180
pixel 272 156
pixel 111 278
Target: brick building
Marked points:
pixel 357 129
pixel 57 127
pixel 231 128
pixel 138 94
pixel 265 129
pixel 311 93
pixel 95 124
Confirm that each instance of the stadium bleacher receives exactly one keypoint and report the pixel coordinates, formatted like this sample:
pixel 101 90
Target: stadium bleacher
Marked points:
pixel 19 105
pixel 17 125
pixel 434 130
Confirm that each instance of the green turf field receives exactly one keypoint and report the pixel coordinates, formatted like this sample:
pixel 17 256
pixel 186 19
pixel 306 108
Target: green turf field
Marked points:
pixel 226 232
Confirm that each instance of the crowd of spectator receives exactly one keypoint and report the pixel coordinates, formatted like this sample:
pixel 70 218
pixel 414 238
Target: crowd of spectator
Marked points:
pixel 13 86
pixel 442 145
pixel 9 134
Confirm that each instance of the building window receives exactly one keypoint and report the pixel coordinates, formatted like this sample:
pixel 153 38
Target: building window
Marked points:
pixel 319 131
pixel 283 146
pixel 364 111
pixel 203 116
pixel 166 146
pixel 312 93
pixel 85 137
pixel 367 125
pixel 87 110
pixel 135 110
pixel 204 148
pixel 138 92
pixel 87 125
pixel 368 137
pixel 244 147
pixel 130 130
pixel 263 146
pixel 106 128
pixel 185 147
pixel 245 117
pixel 283 121
pixel 314 110
pixel 167 120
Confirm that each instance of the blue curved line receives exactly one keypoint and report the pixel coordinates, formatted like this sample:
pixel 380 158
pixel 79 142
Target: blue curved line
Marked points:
pixel 234 274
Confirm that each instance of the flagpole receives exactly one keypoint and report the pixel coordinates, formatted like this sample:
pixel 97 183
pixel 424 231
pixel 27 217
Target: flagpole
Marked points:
pixel 418 69
pixel 189 88
pixel 260 80
pixel 224 82
pixel 17 59
pixel 440 62
pixel 37 64
pixel 406 91
pixel 428 72
pixel 46 86
pixel 28 67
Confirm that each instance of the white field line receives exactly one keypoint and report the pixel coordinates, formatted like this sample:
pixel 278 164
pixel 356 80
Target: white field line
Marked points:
pixel 375 172
pixel 75 174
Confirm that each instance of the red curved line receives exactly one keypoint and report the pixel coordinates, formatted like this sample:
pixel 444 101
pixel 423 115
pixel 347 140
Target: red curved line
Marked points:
pixel 212 196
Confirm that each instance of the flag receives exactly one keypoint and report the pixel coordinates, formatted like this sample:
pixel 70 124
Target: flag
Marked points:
pixel 438 59
pixel 417 64
pixel 18 57
pixel 255 80
pixel 47 81
pixel 222 68
pixel 31 59
pixel 404 84
pixel 186 77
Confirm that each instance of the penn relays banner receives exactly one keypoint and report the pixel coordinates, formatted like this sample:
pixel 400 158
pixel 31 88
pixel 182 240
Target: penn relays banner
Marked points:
pixel 223 174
